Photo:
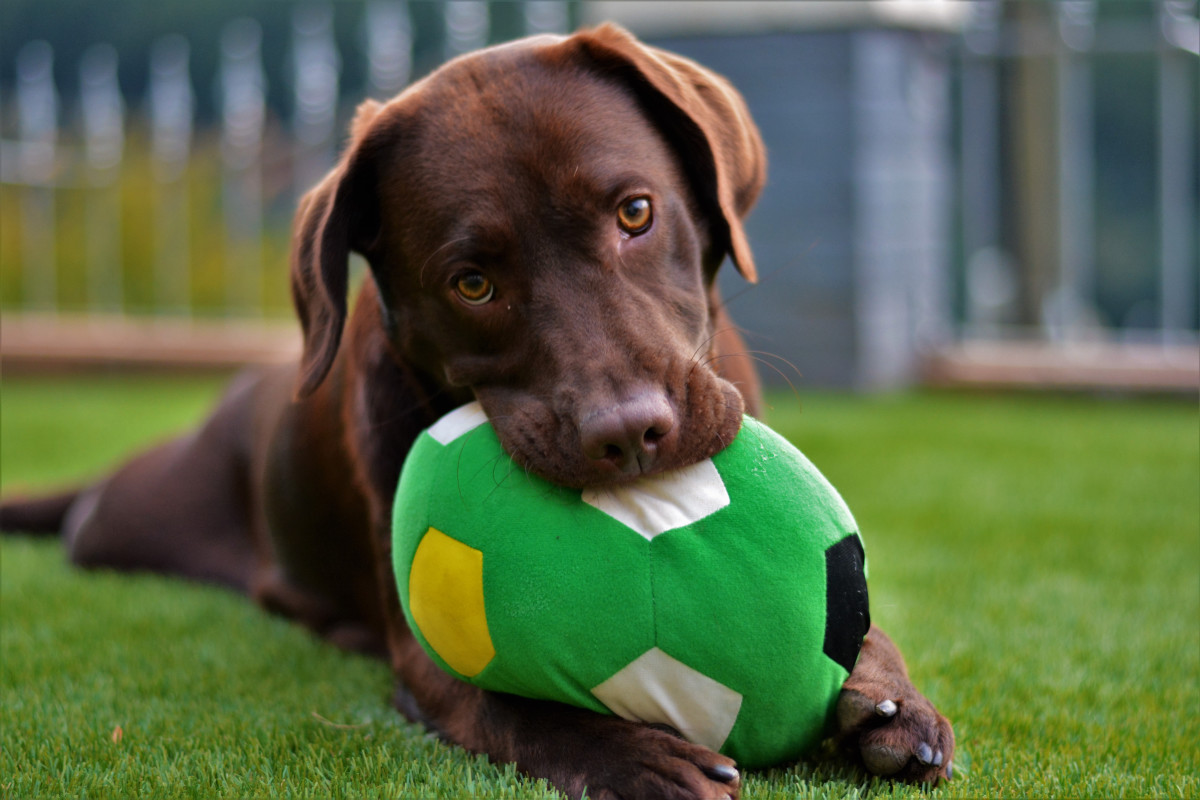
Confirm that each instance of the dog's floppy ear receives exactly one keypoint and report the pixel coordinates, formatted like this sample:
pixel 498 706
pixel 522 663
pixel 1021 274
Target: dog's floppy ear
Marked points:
pixel 339 215
pixel 706 118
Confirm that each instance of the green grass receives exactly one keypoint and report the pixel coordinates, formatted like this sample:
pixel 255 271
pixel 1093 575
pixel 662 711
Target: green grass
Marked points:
pixel 1037 558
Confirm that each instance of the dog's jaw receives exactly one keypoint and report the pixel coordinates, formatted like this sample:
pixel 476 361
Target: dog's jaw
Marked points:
pixel 547 441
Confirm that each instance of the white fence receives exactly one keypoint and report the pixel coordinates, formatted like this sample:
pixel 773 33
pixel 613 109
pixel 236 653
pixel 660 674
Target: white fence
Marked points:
pixel 263 163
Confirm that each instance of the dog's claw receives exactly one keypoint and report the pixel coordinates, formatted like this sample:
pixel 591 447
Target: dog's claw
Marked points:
pixel 724 774
pixel 950 770
pixel 886 723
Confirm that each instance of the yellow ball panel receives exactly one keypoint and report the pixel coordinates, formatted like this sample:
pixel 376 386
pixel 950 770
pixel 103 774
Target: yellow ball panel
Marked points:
pixel 446 601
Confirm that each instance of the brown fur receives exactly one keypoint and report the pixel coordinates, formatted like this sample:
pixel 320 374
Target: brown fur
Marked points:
pixel 601 355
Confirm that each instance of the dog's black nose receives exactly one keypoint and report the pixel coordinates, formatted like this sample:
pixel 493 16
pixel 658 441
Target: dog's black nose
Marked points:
pixel 628 435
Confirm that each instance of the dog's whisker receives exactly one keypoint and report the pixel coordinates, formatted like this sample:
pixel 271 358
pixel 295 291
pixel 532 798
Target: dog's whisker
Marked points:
pixel 761 357
pixel 407 411
pixel 708 340
pixel 421 271
pixel 696 360
pixel 458 467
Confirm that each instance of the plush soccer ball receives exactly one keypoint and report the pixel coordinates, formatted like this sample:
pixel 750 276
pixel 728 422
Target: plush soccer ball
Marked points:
pixel 727 599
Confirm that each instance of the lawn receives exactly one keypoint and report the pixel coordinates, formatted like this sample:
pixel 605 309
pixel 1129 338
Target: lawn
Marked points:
pixel 1037 558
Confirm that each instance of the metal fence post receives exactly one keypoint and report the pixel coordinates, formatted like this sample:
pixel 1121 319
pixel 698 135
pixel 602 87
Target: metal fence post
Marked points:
pixel 37 111
pixel 316 68
pixel 1178 223
pixel 171 105
pixel 467 24
pixel 242 114
pixel 546 16
pixel 388 34
pixel 104 143
pixel 989 285
pixel 1070 312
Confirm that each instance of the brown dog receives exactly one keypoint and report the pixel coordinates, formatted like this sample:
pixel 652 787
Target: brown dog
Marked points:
pixel 543 223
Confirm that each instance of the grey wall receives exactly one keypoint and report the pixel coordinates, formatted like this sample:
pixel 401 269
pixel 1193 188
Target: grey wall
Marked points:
pixel 849 232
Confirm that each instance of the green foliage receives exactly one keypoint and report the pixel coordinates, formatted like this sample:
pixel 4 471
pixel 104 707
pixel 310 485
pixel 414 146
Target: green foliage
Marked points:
pixel 1035 557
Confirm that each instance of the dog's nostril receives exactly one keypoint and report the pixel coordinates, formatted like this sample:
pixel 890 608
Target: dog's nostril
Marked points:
pixel 618 453
pixel 629 434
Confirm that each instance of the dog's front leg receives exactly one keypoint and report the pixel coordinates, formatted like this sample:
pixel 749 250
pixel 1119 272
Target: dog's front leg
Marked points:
pixel 889 724
pixel 574 749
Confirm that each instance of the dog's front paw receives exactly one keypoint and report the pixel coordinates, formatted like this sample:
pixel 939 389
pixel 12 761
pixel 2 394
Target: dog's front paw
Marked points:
pixel 655 764
pixel 896 732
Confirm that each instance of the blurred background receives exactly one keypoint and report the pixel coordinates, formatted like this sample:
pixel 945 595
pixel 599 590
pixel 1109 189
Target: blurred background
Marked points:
pixel 960 193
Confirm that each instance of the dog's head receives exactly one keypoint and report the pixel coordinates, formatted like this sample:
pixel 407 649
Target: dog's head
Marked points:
pixel 544 221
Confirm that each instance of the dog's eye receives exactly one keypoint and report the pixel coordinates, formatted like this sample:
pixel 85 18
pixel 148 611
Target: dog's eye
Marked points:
pixel 634 214
pixel 474 288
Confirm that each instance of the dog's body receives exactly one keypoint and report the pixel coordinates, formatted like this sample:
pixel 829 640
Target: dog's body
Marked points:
pixel 543 223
